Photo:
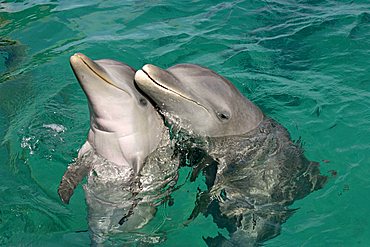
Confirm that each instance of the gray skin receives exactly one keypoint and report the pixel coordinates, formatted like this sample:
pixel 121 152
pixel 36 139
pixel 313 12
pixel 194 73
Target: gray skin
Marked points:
pixel 254 170
pixel 127 155
pixel 200 99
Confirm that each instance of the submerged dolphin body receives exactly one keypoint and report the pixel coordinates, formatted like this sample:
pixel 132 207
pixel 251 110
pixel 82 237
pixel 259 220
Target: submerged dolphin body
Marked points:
pixel 258 170
pixel 127 155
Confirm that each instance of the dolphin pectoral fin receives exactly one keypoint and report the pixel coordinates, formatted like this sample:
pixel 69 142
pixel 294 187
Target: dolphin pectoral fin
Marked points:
pixel 204 163
pixel 200 161
pixel 209 168
pixel 201 205
pixel 71 178
pixel 74 174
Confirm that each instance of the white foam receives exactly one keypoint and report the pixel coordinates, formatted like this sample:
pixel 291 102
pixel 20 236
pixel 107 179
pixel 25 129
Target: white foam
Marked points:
pixel 55 127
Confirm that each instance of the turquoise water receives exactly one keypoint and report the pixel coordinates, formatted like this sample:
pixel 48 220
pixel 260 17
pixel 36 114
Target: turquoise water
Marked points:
pixel 305 63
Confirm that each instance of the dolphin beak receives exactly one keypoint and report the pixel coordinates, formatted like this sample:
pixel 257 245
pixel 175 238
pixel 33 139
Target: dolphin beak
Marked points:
pixel 151 69
pixel 156 81
pixel 142 78
pixel 151 76
pixel 80 62
pixel 157 75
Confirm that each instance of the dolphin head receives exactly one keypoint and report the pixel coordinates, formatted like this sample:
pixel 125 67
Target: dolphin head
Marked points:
pixel 124 126
pixel 199 99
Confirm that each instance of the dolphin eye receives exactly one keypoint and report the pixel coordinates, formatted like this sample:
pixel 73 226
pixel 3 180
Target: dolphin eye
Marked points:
pixel 143 102
pixel 223 116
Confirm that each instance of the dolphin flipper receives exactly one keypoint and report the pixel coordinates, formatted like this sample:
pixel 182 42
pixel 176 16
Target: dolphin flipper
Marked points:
pixel 203 163
pixel 203 198
pixel 71 178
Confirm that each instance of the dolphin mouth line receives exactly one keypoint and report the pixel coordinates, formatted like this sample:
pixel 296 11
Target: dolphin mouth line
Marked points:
pixel 100 76
pixel 172 91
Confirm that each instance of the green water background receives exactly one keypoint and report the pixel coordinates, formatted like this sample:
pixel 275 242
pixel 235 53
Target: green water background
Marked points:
pixel 305 63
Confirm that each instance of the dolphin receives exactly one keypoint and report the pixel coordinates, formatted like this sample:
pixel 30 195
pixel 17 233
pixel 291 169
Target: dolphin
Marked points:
pixel 254 169
pixel 127 154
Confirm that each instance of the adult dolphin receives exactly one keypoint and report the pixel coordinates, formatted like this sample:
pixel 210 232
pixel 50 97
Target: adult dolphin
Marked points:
pixel 260 171
pixel 127 157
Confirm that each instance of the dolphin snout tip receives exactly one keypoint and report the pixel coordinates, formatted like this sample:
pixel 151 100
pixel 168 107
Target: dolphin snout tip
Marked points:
pixel 74 58
pixel 78 55
pixel 145 67
pixel 149 67
pixel 140 75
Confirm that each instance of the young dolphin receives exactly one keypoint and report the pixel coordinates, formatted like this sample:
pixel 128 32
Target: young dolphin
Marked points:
pixel 127 157
pixel 260 171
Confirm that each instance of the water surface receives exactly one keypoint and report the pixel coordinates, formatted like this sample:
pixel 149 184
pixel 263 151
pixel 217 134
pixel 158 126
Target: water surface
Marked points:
pixel 305 63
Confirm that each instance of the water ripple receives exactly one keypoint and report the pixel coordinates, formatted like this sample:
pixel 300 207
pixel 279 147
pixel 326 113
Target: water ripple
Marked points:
pixel 305 63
